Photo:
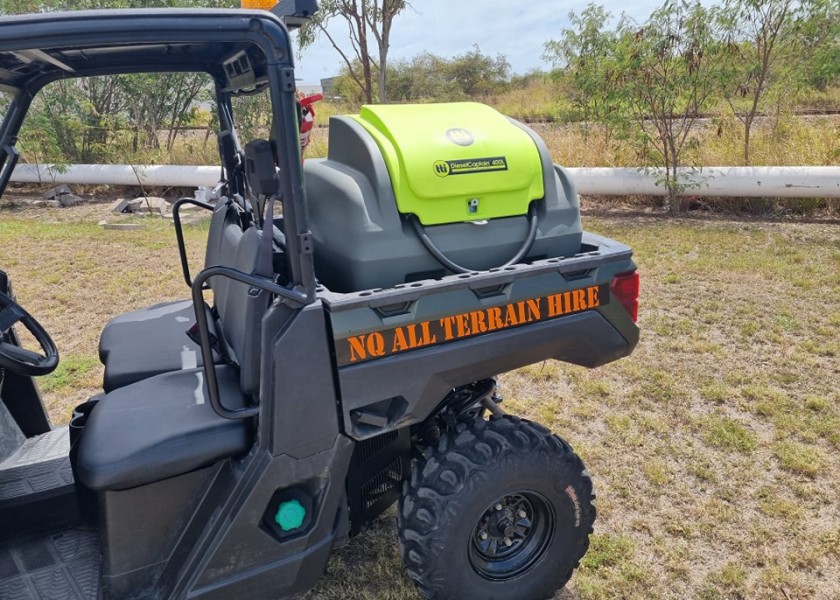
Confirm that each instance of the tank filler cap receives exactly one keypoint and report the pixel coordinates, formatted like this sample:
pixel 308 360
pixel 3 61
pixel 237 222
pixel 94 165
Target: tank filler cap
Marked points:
pixel 290 515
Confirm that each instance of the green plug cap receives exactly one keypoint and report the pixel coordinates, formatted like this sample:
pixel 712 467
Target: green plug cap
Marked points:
pixel 290 515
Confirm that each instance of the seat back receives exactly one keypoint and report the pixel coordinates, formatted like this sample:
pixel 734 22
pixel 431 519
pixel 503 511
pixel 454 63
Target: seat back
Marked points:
pixel 224 213
pixel 241 307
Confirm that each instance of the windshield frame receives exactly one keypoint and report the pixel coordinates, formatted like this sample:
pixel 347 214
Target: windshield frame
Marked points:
pixel 9 127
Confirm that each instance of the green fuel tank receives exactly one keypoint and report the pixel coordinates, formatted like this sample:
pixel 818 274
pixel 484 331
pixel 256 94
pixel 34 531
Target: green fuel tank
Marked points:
pixel 463 173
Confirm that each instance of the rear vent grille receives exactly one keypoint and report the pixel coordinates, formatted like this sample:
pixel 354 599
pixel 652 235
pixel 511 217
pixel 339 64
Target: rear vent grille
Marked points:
pixel 371 448
pixel 381 484
pixel 376 473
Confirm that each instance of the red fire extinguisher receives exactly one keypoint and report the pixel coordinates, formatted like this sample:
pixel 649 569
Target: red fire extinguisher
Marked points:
pixel 307 119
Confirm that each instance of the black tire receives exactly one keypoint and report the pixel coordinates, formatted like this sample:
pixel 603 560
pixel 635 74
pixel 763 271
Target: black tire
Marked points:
pixel 446 513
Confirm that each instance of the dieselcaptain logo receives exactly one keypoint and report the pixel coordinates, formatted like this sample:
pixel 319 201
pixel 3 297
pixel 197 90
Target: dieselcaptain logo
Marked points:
pixel 462 137
pixel 445 168
pixel 388 342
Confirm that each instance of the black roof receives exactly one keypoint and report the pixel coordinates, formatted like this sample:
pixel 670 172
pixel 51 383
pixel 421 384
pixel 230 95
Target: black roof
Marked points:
pixel 37 49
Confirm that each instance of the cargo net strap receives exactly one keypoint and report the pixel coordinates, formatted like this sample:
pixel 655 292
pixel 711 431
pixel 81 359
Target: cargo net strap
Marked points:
pixel 455 267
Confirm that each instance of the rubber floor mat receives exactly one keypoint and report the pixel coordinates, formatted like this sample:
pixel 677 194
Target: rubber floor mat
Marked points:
pixel 55 566
pixel 39 466
pixel 21 481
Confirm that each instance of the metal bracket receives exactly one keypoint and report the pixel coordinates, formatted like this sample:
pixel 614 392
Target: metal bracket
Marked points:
pixel 287 78
pixel 306 244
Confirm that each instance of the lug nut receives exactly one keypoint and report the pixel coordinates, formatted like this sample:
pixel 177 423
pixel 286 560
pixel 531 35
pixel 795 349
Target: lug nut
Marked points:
pixel 508 542
pixel 498 506
pixel 522 514
pixel 483 535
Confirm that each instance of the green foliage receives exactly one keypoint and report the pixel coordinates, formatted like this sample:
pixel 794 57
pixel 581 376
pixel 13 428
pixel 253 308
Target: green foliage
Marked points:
pixel 253 115
pixel 472 75
pixel 478 74
pixel 607 551
pixel 727 434
pixel 99 119
pixel 584 56
pixel 425 78
pixel 534 77
pixel 70 369
pixel 428 77
pixel 803 459
pixel 646 82
pixel 819 30
pixel 348 89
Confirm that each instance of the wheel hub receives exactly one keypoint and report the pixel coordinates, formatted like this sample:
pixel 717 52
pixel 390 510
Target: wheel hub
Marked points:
pixel 511 535
pixel 502 522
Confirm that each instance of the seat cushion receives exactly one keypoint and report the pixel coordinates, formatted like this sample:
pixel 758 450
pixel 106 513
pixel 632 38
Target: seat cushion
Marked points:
pixel 150 341
pixel 159 428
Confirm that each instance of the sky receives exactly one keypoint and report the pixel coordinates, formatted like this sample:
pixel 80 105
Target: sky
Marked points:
pixel 515 28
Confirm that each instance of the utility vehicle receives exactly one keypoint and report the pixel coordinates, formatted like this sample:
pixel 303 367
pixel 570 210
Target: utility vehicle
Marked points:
pixel 362 305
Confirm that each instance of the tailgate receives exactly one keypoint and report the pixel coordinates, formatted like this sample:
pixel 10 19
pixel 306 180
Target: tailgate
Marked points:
pixel 398 351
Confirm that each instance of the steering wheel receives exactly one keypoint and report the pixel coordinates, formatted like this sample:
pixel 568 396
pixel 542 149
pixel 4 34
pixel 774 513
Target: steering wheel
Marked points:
pixel 20 360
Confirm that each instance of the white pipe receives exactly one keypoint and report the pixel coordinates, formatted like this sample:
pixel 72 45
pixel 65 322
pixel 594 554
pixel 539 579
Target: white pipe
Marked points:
pixel 770 182
pixel 147 175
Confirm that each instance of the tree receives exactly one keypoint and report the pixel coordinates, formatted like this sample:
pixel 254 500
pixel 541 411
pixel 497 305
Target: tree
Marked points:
pixel 479 75
pixel 365 19
pixel 162 101
pixel 669 71
pixel 820 36
pixel 426 77
pixel 759 33
pixel 585 54
pixel 471 75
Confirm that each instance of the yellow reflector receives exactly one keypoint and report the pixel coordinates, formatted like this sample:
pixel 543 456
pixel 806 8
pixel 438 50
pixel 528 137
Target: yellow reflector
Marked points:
pixel 259 4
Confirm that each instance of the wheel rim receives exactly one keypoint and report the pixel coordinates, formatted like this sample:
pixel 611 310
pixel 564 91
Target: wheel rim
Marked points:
pixel 511 535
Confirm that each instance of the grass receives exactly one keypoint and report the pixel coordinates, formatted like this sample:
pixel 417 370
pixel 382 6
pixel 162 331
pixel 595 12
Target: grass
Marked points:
pixel 76 276
pixel 799 458
pixel 729 435
pixel 713 449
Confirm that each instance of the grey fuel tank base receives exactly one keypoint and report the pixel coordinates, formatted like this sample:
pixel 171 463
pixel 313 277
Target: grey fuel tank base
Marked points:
pixel 363 241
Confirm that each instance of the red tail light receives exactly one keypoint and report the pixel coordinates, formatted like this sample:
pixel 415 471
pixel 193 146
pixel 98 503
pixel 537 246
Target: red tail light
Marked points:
pixel 625 287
